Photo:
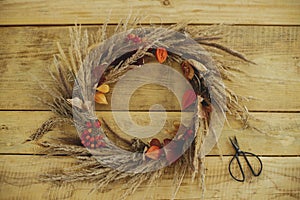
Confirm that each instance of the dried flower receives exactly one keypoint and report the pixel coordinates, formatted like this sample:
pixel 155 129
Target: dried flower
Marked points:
pixel 76 102
pixel 134 38
pixel 161 54
pixel 104 88
pixel 100 98
pixel 100 94
pixel 153 152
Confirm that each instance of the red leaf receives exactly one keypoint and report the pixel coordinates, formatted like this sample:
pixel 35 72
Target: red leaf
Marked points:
pixel 188 99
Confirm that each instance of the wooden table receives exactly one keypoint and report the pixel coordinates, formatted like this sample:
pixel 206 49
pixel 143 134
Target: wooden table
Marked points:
pixel 268 32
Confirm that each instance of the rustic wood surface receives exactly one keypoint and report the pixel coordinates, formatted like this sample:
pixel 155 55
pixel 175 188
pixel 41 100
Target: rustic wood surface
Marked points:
pixel 158 11
pixel 268 32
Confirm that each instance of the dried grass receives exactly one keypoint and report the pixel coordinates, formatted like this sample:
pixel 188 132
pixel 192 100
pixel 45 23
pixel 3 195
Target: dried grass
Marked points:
pixel 80 54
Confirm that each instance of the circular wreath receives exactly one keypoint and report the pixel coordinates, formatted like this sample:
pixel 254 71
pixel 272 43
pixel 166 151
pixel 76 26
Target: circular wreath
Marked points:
pixel 109 61
pixel 95 64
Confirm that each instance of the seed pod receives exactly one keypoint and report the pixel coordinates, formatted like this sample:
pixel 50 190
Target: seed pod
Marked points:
pixel 100 98
pixel 167 141
pixel 104 88
pixel 187 69
pixel 155 142
pixel 161 54
pixel 198 66
pixel 76 102
pixel 176 124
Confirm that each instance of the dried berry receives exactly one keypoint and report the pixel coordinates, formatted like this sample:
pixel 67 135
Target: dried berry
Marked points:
pixel 88 124
pixel 134 38
pixel 155 142
pixel 130 36
pixel 85 132
pixel 97 124
pixel 92 139
pixel 137 40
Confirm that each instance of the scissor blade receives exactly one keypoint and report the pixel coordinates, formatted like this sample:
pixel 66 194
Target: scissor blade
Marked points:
pixel 234 143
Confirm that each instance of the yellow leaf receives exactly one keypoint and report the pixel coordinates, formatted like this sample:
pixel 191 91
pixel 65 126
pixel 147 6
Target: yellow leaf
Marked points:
pixel 104 88
pixel 100 98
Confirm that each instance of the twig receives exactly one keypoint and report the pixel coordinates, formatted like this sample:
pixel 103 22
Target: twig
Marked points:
pixel 226 49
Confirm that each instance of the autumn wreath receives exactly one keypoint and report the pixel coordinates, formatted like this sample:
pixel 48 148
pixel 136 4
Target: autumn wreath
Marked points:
pixel 86 74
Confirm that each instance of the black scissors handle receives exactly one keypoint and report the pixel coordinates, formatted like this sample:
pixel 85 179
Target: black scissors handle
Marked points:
pixel 244 154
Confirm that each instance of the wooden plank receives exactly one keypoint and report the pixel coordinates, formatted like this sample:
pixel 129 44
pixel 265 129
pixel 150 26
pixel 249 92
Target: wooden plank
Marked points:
pixel 281 132
pixel 25 53
pixel 279 180
pixel 17 12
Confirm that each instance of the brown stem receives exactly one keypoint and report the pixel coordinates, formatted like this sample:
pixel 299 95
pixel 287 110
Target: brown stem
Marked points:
pixel 225 49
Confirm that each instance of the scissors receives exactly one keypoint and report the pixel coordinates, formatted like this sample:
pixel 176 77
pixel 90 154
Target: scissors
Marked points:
pixel 239 152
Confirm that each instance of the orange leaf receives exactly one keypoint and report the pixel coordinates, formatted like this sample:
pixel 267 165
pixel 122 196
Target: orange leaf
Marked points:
pixel 100 98
pixel 161 54
pixel 153 152
pixel 104 88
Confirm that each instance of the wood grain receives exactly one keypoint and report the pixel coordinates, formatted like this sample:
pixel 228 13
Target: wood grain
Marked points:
pixel 267 32
pixel 279 180
pixel 283 129
pixel 26 52
pixel 18 12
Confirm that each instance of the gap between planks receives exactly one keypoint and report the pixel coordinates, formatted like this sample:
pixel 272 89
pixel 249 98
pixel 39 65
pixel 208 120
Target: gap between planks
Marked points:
pixel 26 52
pixel 279 136
pixel 15 12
